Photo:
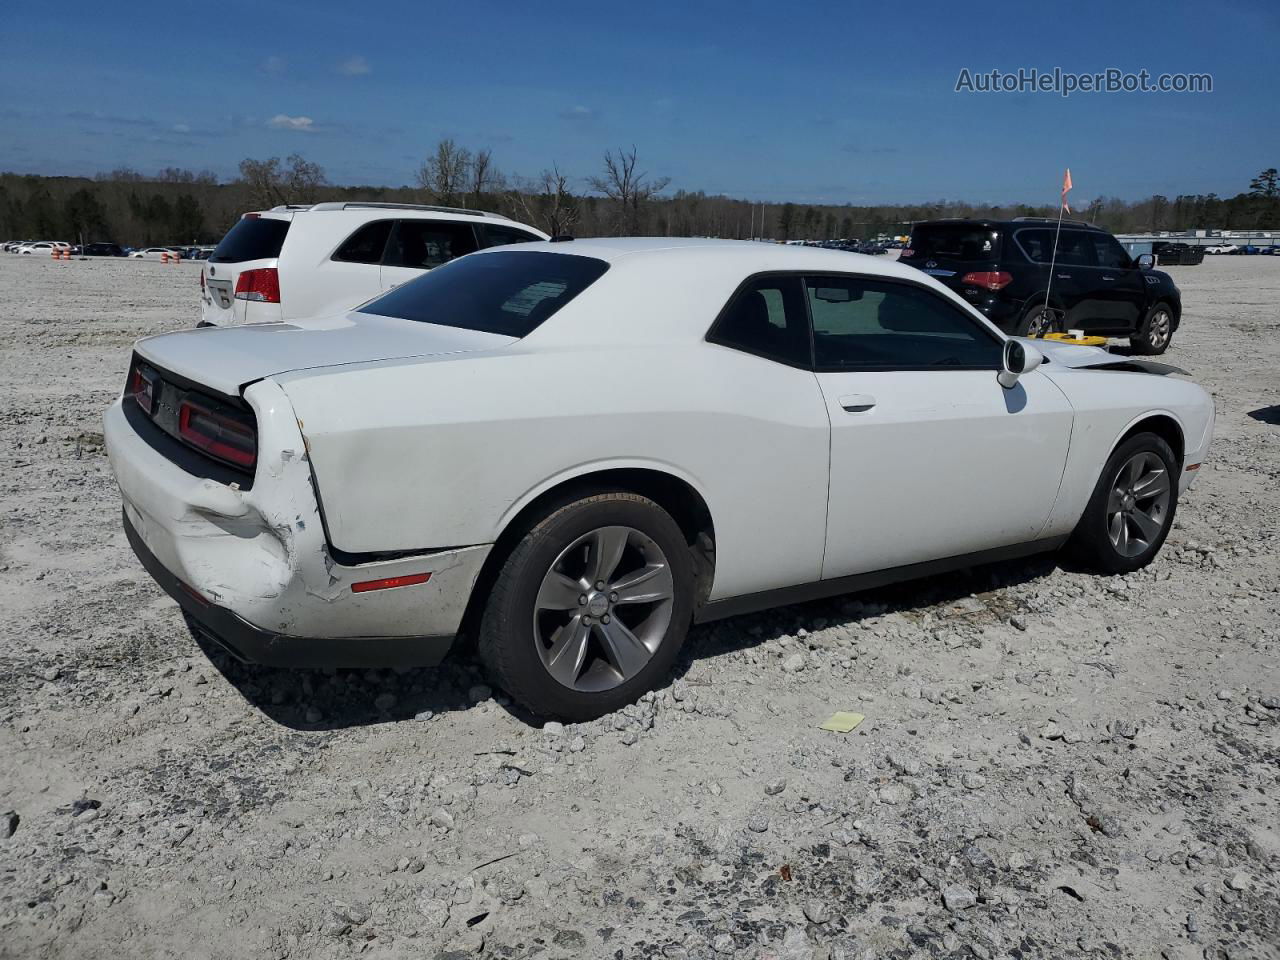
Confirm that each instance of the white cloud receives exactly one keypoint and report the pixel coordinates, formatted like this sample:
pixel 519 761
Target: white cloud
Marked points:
pixel 354 67
pixel 282 121
pixel 181 128
pixel 578 113
pixel 273 64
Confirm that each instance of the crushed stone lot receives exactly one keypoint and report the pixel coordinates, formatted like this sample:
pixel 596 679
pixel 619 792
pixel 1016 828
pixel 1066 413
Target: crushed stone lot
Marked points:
pixel 1052 764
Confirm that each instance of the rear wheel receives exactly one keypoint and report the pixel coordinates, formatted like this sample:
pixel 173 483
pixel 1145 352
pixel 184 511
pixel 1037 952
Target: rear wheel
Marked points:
pixel 1155 332
pixel 1132 507
pixel 1039 319
pixel 591 608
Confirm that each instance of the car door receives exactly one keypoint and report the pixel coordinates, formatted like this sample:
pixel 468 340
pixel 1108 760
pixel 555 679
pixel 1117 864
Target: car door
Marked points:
pixel 352 275
pixel 1120 290
pixel 930 456
pixel 418 245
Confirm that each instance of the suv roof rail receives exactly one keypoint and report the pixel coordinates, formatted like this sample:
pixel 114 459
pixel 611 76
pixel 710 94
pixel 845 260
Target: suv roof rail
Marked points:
pixel 291 206
pixel 379 205
pixel 1074 223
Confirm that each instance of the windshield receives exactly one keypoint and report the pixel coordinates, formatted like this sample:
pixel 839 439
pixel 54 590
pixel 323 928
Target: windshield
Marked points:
pixel 957 242
pixel 507 293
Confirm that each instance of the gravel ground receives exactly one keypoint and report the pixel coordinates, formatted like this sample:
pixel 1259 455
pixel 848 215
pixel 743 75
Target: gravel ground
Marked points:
pixel 1052 764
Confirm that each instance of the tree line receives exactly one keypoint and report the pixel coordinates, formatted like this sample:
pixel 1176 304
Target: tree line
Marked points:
pixel 178 206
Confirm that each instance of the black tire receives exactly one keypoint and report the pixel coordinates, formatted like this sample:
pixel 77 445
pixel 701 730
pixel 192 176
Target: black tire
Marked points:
pixel 1091 543
pixel 1034 322
pixel 1155 333
pixel 508 643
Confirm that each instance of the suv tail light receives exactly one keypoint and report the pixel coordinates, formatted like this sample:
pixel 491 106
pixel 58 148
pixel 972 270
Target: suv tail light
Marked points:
pixel 262 286
pixel 223 437
pixel 202 286
pixel 907 254
pixel 988 280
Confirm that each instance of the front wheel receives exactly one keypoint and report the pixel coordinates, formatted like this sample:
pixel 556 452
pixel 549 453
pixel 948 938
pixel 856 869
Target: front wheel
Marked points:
pixel 1039 319
pixel 591 608
pixel 1154 333
pixel 1131 510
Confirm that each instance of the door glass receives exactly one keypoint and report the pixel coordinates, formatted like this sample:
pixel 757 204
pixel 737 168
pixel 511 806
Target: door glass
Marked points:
pixel 424 244
pixel 1109 252
pixel 495 236
pixel 766 317
pixel 861 324
pixel 1074 248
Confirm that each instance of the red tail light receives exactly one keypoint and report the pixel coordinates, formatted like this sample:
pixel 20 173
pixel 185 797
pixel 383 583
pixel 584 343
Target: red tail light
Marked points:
pixel 988 280
pixel 907 253
pixel 142 387
pixel 388 583
pixel 261 286
pixel 218 435
pixel 202 279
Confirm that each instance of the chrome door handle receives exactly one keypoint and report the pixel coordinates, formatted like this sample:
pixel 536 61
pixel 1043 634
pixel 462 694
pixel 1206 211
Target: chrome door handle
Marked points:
pixel 857 403
pixel 1108 278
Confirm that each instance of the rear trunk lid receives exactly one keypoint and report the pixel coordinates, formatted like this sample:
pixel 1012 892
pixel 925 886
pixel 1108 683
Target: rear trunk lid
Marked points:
pixel 226 359
pixel 949 251
pixel 254 243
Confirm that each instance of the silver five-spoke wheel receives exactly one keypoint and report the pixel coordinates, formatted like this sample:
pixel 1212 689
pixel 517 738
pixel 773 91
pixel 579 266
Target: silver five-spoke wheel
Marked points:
pixel 1159 329
pixel 603 608
pixel 1138 504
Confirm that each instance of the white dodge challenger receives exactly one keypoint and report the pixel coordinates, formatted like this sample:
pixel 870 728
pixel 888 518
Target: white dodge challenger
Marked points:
pixel 571 451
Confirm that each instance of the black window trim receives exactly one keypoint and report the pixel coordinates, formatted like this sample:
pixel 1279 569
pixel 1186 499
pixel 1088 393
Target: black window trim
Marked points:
pixel 813 366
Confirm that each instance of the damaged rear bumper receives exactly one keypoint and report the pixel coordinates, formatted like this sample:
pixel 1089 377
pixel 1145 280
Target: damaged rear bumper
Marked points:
pixel 251 644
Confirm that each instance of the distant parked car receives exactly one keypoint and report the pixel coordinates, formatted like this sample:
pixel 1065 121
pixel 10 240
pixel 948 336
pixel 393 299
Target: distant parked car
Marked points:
pixel 103 250
pixel 1218 248
pixel 1001 267
pixel 154 253
pixel 42 247
pixel 292 262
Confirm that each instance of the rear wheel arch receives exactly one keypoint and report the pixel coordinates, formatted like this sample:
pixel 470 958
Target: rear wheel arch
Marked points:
pixel 677 496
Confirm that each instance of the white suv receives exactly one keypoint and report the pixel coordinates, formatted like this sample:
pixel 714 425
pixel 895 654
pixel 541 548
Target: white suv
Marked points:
pixel 292 262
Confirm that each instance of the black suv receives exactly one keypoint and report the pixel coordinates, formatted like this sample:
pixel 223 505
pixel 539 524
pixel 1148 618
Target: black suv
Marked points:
pixel 1001 267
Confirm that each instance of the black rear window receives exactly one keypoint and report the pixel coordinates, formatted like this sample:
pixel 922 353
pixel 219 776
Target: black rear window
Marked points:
pixel 258 238
pixel 507 293
pixel 957 242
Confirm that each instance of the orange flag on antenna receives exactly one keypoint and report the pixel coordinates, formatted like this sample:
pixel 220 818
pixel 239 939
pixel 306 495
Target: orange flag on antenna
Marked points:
pixel 1066 186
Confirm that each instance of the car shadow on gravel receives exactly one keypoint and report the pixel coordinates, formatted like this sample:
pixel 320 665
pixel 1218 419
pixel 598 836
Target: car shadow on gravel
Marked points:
pixel 335 699
pixel 1269 414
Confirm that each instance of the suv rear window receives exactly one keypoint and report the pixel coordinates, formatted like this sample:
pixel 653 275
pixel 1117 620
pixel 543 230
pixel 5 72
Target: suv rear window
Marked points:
pixel 259 238
pixel 957 242
pixel 506 293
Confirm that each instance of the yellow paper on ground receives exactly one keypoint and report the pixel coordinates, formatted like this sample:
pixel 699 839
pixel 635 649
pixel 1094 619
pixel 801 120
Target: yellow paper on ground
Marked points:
pixel 841 722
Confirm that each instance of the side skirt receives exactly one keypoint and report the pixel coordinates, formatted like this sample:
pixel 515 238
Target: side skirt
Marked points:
pixel 821 589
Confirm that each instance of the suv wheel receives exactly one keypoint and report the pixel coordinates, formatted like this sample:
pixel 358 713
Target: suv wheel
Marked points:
pixel 1038 320
pixel 1132 507
pixel 591 608
pixel 1154 333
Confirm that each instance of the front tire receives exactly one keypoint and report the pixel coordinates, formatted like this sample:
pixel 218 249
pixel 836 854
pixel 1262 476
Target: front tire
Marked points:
pixel 1039 319
pixel 1132 508
pixel 1154 333
pixel 591 608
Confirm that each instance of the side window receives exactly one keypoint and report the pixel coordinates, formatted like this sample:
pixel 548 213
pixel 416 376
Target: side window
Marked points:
pixel 424 244
pixel 766 317
pixel 1109 252
pixel 1074 248
pixel 495 236
pixel 366 244
pixel 863 324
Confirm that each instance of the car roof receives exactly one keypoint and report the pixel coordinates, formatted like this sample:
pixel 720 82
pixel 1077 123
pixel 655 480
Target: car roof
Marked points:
pixel 1014 222
pixel 749 255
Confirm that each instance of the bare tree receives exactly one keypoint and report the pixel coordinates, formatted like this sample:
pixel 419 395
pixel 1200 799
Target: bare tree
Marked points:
pixel 271 184
pixel 547 203
pixel 630 190
pixel 444 175
pixel 483 176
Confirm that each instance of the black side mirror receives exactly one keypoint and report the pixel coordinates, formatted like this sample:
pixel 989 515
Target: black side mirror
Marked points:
pixel 1146 261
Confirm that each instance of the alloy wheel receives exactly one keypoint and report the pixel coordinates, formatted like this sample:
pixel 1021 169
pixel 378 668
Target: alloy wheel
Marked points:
pixel 603 608
pixel 1042 321
pixel 1158 329
pixel 1138 504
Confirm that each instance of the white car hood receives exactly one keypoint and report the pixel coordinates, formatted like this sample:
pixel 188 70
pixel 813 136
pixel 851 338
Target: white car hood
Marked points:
pixel 227 358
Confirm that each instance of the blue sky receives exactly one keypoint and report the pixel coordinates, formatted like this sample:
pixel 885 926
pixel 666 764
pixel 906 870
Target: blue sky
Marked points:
pixel 820 102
